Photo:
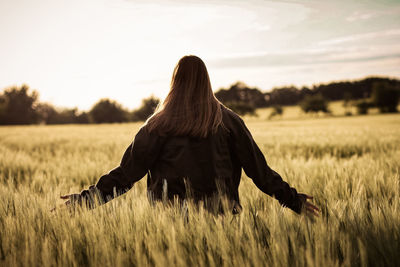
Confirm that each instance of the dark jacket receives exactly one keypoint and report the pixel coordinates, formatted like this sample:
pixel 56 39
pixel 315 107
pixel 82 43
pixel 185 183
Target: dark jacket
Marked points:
pixel 208 166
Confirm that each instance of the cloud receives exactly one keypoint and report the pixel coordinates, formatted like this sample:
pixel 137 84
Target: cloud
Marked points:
pixel 357 15
pixel 363 36
pixel 299 58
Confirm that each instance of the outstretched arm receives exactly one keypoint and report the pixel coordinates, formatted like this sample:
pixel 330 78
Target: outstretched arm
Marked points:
pixel 136 161
pixel 266 179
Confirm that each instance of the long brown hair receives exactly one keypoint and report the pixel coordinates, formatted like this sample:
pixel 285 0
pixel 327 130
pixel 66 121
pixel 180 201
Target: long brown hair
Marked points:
pixel 190 107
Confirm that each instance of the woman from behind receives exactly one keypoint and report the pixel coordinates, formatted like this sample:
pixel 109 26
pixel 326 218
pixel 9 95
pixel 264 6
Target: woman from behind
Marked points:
pixel 193 148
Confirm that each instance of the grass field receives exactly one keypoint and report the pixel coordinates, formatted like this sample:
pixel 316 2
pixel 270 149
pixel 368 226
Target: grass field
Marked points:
pixel 351 165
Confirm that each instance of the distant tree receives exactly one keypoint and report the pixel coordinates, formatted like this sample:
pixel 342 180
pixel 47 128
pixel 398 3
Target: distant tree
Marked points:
pixel 240 92
pixel 285 95
pixel 66 116
pixel 241 108
pixel 362 106
pixel 146 109
pixel 18 106
pixel 347 103
pixel 3 107
pixel 385 96
pixel 241 98
pixel 314 103
pixel 82 117
pixel 107 111
pixel 276 110
pixel 305 91
pixel 46 113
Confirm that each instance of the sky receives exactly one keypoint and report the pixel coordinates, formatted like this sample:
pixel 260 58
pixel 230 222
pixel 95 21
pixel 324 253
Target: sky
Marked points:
pixel 76 52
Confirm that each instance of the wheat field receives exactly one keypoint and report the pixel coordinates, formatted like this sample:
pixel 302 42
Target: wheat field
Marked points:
pixel 351 165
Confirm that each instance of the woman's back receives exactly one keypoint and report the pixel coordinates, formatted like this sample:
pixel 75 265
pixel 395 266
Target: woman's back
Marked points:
pixel 203 166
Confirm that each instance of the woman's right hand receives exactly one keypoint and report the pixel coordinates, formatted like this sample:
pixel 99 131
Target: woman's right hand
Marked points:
pixel 308 208
pixel 71 199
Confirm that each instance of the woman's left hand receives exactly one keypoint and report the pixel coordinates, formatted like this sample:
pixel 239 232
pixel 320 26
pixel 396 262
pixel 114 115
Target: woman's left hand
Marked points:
pixel 308 208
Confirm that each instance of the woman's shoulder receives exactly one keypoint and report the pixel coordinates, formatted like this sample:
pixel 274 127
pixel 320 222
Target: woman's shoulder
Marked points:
pixel 229 117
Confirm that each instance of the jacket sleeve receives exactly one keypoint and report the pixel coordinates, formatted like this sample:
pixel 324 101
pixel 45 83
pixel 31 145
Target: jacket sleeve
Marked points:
pixel 256 167
pixel 136 161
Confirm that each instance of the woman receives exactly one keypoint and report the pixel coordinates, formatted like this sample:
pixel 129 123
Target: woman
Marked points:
pixel 193 147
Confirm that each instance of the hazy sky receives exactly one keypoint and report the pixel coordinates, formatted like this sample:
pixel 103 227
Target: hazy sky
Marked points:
pixel 75 52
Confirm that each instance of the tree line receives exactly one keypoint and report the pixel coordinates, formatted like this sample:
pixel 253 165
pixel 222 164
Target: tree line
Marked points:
pixel 20 105
pixel 383 93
